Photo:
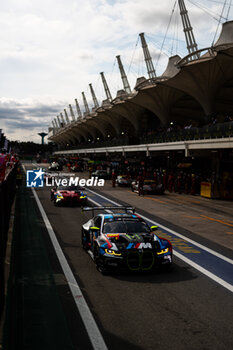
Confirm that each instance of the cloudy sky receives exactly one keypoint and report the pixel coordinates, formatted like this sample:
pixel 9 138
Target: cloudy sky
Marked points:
pixel 50 50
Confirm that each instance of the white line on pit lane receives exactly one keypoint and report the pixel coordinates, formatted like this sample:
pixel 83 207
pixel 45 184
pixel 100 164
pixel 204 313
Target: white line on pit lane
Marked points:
pixel 85 313
pixel 180 256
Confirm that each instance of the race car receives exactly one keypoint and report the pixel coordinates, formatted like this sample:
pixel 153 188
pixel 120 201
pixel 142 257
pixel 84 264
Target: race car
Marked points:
pixel 101 174
pixel 123 180
pixel 55 166
pixel 77 168
pixel 149 187
pixel 68 195
pixel 124 242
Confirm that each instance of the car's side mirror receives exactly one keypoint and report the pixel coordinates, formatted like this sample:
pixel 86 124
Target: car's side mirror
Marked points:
pixel 154 228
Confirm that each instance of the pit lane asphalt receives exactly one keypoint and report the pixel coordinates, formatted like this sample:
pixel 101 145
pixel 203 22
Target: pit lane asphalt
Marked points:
pixel 182 309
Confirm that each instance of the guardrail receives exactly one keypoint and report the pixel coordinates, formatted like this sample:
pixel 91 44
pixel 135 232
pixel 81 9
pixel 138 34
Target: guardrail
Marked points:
pixel 7 193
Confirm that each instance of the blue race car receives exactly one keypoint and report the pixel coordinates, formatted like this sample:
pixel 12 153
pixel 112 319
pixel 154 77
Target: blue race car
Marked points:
pixel 124 241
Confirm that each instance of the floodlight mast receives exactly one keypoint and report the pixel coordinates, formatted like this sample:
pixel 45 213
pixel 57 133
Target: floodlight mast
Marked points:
pixel 78 109
pixel 53 126
pixel 59 122
pixel 95 101
pixel 66 115
pixel 188 30
pixel 63 120
pixel 72 113
pixel 56 124
pixel 147 56
pixel 87 110
pixel 106 88
pixel 123 75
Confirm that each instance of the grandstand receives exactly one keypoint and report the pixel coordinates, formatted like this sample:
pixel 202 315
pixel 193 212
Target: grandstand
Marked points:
pixel 187 109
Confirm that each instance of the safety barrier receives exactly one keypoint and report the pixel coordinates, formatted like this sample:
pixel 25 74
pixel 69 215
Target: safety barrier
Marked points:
pixel 7 192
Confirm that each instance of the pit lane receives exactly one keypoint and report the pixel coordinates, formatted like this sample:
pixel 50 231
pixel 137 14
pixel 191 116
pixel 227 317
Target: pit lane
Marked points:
pixel 178 310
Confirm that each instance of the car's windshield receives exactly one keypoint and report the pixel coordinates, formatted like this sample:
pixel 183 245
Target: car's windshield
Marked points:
pixel 124 226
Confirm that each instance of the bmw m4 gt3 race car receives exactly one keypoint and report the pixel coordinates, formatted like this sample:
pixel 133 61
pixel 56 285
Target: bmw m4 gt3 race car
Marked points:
pixel 124 241
pixel 68 195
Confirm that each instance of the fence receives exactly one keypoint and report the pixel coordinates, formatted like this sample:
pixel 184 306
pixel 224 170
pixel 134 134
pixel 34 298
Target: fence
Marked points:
pixel 219 130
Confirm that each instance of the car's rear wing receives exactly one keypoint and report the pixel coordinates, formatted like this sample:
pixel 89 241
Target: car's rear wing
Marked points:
pixel 120 207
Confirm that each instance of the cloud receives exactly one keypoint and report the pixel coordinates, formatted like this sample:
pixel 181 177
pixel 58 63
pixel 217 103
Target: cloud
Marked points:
pixel 24 124
pixel 51 50
pixel 21 119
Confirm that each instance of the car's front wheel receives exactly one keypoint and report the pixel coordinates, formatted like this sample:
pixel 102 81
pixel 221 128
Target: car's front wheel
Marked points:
pixel 96 253
pixel 99 261
pixel 84 241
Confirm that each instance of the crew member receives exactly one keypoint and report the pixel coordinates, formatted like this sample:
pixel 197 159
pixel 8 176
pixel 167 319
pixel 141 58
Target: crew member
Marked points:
pixel 113 179
pixel 140 185
pixel 179 183
pixel 193 185
pixel 68 166
pixel 165 179
pixel 171 182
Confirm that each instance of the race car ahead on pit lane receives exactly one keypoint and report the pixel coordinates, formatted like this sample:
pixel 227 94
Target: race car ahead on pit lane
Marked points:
pixel 149 187
pixel 68 195
pixel 123 180
pixel 124 241
pixel 55 166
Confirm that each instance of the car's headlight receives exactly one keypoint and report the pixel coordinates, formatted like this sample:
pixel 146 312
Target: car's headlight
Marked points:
pixel 112 252
pixel 163 251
